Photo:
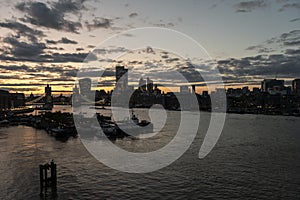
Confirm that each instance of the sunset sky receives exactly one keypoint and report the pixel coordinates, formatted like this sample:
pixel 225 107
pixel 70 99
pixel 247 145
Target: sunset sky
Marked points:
pixel 46 41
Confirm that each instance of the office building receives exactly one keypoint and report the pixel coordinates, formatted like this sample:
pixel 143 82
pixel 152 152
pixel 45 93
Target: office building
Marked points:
pixel 121 78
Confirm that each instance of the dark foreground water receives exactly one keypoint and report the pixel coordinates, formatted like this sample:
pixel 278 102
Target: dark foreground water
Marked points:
pixel 257 157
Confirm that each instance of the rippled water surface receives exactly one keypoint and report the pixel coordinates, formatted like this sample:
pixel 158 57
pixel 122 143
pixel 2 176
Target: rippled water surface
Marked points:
pixel 257 157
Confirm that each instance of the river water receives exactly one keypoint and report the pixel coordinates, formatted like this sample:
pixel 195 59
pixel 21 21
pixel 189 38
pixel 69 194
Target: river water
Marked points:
pixel 256 157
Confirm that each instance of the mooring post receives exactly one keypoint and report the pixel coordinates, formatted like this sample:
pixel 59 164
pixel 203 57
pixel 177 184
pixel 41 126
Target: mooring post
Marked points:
pixel 46 182
pixel 41 179
pixel 45 176
pixel 53 173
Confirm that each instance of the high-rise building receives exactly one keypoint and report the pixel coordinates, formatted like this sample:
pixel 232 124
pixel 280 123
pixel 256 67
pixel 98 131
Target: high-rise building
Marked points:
pixel 121 78
pixel 296 86
pixel 193 88
pixel 85 86
pixel 272 85
pixel 142 84
pixel 48 97
pixel 149 85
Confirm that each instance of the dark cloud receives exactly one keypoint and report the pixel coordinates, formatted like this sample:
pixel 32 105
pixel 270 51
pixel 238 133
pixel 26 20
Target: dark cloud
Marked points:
pixel 15 68
pixel 259 49
pixel 22 29
pixel 68 57
pixel 67 6
pixel 41 14
pixel 18 54
pixel 285 40
pixel 30 84
pixel 289 6
pixel 293 51
pixel 133 15
pixel 167 24
pixel 106 83
pixel 190 73
pixel 248 6
pixel 3 77
pixel 22 49
pixel 286 66
pixel 291 38
pixel 51 42
pixel 99 23
pixel 110 50
pixel 56 48
pixel 63 40
pixel 294 20
pixel 171 60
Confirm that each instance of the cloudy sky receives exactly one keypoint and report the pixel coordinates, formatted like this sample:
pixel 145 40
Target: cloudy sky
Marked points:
pixel 46 41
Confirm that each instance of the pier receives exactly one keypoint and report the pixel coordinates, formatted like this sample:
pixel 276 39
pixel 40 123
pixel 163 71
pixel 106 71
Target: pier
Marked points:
pixel 45 181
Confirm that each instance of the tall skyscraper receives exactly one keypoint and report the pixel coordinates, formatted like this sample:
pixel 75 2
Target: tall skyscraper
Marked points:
pixel 121 78
pixel 272 85
pixel 193 88
pixel 149 85
pixel 85 86
pixel 142 84
pixel 296 86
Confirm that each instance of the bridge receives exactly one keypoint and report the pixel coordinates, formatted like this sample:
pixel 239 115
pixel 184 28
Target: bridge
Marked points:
pixel 83 100
pixel 35 101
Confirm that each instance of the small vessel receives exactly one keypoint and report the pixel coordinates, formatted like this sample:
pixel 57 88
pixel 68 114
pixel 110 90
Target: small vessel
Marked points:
pixel 133 127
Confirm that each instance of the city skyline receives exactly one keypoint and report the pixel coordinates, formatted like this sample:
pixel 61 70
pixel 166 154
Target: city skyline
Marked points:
pixel 46 42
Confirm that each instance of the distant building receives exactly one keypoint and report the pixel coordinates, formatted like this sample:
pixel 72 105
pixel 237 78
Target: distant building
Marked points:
pixel 256 90
pixel 156 90
pixel 149 85
pixel 296 86
pixel 193 88
pixel 142 84
pixel 121 78
pixel 4 100
pixel 48 97
pixel 184 89
pixel 85 86
pixel 272 86
pixel 245 90
pixel 236 92
pixel 17 100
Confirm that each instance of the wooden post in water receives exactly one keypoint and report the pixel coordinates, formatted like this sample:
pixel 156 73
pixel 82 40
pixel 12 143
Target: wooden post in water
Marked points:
pixel 41 180
pixel 46 182
pixel 53 176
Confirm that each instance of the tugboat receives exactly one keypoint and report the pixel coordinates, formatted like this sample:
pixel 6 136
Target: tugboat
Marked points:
pixel 133 127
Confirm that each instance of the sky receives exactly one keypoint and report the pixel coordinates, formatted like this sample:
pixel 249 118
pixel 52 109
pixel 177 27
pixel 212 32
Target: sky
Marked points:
pixel 47 41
